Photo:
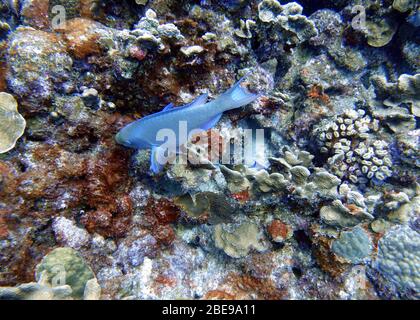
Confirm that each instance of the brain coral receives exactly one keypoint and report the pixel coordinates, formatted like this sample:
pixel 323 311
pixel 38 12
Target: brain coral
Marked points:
pixel 12 123
pixel 399 257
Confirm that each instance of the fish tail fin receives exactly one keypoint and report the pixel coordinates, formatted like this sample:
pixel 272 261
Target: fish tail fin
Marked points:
pixel 237 96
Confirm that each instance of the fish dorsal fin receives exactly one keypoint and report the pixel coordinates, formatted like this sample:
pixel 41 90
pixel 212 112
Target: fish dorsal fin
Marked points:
pixel 212 122
pixel 201 100
pixel 169 107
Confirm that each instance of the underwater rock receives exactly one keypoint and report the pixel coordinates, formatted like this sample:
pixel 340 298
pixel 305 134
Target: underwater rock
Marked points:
pixel 36 13
pixel 38 65
pixel 134 252
pixel 158 216
pixel 331 36
pixel 66 266
pixel 238 240
pixel 207 206
pixel 12 123
pixel 83 37
pixel 398 258
pixel 293 225
pixel 353 246
pixel 68 234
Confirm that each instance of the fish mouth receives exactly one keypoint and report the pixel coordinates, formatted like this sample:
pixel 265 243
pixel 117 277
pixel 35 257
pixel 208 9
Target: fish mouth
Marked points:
pixel 120 140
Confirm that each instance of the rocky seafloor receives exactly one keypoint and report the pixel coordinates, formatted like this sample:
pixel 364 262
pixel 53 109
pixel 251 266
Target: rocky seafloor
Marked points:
pixel 335 213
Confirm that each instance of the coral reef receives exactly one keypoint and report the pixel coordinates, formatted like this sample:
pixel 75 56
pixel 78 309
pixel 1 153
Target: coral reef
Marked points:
pixel 324 206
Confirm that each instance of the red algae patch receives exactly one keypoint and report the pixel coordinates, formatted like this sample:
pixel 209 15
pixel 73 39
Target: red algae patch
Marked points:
pixel 279 231
pixel 159 214
pixel 81 36
pixel 35 14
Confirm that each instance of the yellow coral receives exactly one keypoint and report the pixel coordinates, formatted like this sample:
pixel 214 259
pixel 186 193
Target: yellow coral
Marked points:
pixel 12 123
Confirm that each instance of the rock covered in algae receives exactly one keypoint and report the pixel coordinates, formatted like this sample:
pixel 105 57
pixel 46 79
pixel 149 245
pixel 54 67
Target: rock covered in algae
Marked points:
pixel 12 123
pixel 66 266
pixel 32 55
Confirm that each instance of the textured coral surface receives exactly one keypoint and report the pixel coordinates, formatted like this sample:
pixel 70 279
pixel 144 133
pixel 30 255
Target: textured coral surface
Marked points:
pixel 328 208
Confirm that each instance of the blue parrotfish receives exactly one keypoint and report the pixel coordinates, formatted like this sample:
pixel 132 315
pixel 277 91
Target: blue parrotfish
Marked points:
pixel 198 115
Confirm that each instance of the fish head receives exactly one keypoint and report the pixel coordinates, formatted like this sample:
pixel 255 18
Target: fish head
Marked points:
pixel 122 140
pixel 131 137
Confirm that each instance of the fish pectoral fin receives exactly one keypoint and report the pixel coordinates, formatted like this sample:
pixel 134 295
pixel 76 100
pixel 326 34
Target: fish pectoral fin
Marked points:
pixel 169 107
pixel 157 159
pixel 212 122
